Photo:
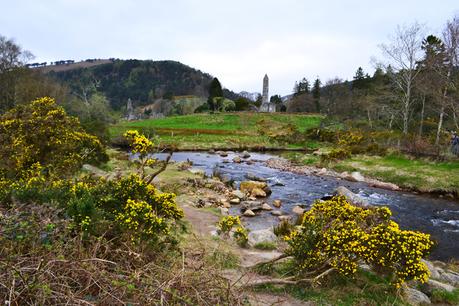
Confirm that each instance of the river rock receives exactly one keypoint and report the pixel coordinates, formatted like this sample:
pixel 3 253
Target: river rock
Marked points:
pixel 238 194
pixel 245 155
pixel 261 236
pixel 322 171
pixel 224 211
pixel 249 213
pixel 211 151
pixel 449 277
pixel 298 210
pixel 351 197
pixel 434 271
pixel 251 205
pixel 222 153
pixel 436 285
pixel 382 185
pixel 235 201
pixel 357 177
pixel 277 203
pixel 415 297
pixel 258 193
pixel 248 186
pixel 276 213
pixel 254 177
pixel 266 206
pixel 226 204
pixel 225 161
pixel 237 160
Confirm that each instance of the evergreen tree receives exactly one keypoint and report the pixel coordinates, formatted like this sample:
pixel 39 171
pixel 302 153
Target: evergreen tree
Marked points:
pixel 301 87
pixel 215 90
pixel 316 94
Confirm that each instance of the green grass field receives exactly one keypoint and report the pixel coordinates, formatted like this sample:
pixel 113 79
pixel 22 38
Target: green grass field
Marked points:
pixel 222 130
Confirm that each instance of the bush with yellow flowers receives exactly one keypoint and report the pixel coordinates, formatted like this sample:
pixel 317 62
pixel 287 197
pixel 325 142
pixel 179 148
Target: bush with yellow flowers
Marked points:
pixel 339 235
pixel 227 224
pixel 41 132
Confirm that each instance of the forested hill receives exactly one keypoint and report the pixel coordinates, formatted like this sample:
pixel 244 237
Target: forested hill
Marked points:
pixel 143 81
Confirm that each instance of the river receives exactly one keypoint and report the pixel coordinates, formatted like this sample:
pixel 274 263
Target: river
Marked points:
pixel 439 217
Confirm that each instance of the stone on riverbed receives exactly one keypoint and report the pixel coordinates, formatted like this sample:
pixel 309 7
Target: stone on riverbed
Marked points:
pixel 258 193
pixel 253 177
pixel 298 210
pixel 277 203
pixel 251 205
pixel 432 285
pixel 245 154
pixel 248 186
pixel 238 194
pixel 249 213
pixel 222 153
pixel 352 197
pixel 235 201
pixel 266 206
pixel 237 160
pixel 261 236
pixel 224 211
pixel 276 213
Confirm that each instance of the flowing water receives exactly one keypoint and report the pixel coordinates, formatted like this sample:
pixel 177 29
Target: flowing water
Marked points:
pixel 439 217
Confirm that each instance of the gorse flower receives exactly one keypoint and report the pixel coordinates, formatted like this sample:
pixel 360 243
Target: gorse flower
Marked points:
pixel 342 235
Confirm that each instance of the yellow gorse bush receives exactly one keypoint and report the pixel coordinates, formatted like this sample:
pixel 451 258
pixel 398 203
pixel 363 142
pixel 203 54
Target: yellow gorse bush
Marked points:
pixel 42 133
pixel 341 235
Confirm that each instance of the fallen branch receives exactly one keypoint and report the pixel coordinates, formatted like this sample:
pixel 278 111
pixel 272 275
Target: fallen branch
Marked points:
pixel 288 281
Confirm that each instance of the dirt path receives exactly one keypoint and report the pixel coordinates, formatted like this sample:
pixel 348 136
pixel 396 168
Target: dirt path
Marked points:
pixel 203 224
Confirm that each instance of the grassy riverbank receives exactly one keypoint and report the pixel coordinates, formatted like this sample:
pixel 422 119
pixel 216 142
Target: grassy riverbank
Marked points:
pixel 222 131
pixel 421 175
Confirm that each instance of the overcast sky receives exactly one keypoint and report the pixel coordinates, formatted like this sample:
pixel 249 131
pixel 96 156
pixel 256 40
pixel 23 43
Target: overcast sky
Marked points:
pixel 236 41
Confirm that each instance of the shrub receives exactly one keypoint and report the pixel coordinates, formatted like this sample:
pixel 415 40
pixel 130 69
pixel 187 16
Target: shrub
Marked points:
pixel 241 236
pixel 227 224
pixel 42 133
pixel 337 234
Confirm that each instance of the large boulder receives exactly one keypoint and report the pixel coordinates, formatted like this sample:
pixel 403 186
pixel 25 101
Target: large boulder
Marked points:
pixel 260 236
pixel 258 193
pixel 432 285
pixel 415 297
pixel 351 197
pixel 248 186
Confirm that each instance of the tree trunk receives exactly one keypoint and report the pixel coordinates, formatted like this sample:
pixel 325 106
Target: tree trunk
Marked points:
pixel 440 124
pixel 421 124
pixel 369 118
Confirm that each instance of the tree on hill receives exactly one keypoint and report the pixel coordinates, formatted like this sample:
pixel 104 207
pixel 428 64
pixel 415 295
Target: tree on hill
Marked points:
pixel 316 94
pixel 276 99
pixel 12 61
pixel 301 87
pixel 215 91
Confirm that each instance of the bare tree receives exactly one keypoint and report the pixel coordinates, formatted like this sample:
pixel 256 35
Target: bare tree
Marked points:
pixel 403 54
pixel 451 41
pixel 12 58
